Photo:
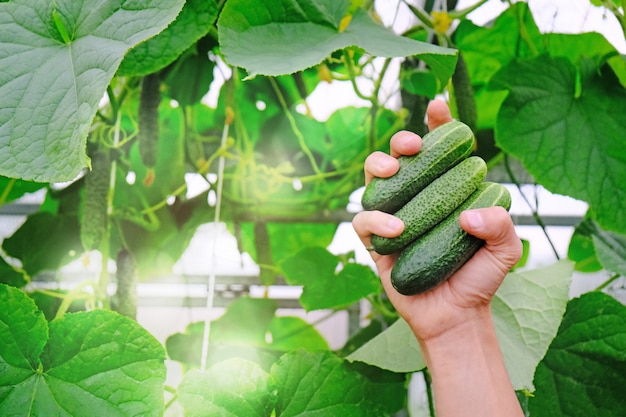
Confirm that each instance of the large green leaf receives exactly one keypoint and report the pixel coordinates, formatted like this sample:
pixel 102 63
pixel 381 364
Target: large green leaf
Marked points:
pixel 486 49
pixel 11 275
pixel 249 329
pixel 46 241
pixel 84 364
pixel 57 59
pixel 514 34
pixel 395 349
pixel 231 388
pixel 315 268
pixel 527 310
pixel 611 250
pixel 584 371
pixel 285 239
pixel 566 124
pixel 286 36
pixel 194 21
pixel 318 384
pixel 13 189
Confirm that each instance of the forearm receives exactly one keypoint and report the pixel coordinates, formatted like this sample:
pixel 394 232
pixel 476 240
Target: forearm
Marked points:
pixel 468 372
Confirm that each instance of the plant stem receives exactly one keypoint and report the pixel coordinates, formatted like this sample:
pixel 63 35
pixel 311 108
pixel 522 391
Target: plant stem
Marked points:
pixel 294 126
pixel 74 294
pixel 6 191
pixel 524 33
pixel 420 14
pixel 460 14
pixel 535 213
pixel 607 282
pixel 211 281
pixel 429 392
pixel 105 247
pixel 350 67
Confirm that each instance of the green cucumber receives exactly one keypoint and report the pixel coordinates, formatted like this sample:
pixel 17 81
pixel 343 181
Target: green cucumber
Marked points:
pixel 433 258
pixel 442 148
pixel 434 203
pixel 94 217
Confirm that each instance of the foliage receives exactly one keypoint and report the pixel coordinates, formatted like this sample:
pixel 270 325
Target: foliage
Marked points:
pixel 74 83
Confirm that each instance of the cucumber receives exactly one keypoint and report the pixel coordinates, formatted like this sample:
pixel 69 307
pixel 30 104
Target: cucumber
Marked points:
pixel 431 205
pixel 94 219
pixel 442 148
pixel 464 94
pixel 433 258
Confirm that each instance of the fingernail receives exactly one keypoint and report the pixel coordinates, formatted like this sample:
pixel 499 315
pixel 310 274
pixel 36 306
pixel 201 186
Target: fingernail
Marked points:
pixel 474 219
pixel 408 139
pixel 383 163
pixel 394 224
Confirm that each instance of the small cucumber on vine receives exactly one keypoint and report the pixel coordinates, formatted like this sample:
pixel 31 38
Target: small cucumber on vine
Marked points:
pixel 435 256
pixel 264 253
pixel 93 216
pixel 148 123
pixel 125 299
pixel 431 205
pixel 442 148
pixel 464 94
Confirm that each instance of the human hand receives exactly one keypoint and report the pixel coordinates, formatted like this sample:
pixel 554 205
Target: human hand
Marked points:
pixel 468 293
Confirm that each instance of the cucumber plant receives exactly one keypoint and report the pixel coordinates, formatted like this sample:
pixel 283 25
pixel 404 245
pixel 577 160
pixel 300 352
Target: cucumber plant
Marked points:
pixel 72 81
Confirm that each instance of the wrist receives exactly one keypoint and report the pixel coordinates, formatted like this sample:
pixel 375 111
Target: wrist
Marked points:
pixel 452 326
pixel 454 339
pixel 468 371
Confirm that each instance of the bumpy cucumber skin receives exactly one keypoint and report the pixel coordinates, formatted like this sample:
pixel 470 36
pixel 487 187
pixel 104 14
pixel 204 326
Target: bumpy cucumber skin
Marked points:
pixel 433 258
pixel 442 148
pixel 149 100
pixel 93 219
pixel 434 203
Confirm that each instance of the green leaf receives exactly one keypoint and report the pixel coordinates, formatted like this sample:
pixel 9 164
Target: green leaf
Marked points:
pixel 514 34
pixel 420 82
pixel 11 275
pixel 527 310
pixel 290 333
pixel 246 321
pixel 487 49
pixel 190 78
pixel 194 21
pixel 315 268
pixel 316 384
pixel 231 388
pixel 249 329
pixel 360 337
pixel 580 46
pixel 12 189
pixel 581 248
pixel 23 332
pixel 275 39
pixel 288 238
pixel 395 349
pixel 51 88
pixel 584 371
pixel 565 125
pixel 611 250
pixel 49 301
pixel 93 363
pixel 36 243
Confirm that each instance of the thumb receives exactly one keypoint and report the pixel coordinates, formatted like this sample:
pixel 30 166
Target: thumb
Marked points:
pixel 495 227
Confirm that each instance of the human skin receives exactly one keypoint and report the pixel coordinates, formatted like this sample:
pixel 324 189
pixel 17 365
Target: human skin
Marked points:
pixel 453 322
